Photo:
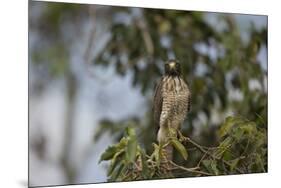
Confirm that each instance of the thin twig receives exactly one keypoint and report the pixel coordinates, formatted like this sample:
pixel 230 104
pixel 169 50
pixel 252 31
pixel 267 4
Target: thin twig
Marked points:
pixel 246 148
pixel 137 167
pixel 191 149
pixel 192 170
pixel 209 154
pixel 202 159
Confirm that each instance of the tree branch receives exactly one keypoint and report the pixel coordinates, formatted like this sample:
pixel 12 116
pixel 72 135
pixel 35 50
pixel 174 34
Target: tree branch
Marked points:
pixel 187 139
pixel 192 170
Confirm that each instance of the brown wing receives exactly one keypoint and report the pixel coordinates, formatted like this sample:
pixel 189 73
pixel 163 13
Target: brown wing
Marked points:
pixel 157 104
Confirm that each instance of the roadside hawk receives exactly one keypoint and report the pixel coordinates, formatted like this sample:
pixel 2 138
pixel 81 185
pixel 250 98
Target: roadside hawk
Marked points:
pixel 171 103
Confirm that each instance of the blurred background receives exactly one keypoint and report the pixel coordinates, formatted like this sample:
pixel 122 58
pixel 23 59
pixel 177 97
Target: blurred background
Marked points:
pixel 93 69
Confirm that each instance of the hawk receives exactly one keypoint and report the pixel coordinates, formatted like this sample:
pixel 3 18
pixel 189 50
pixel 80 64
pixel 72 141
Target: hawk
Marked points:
pixel 172 100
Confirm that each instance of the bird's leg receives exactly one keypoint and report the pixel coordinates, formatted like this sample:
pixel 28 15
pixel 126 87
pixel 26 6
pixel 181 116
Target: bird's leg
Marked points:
pixel 180 136
pixel 172 132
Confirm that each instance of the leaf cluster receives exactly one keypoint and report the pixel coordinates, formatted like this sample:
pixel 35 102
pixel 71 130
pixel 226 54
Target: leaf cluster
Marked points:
pixel 242 149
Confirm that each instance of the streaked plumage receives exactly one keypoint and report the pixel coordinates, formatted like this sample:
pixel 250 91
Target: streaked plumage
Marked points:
pixel 171 102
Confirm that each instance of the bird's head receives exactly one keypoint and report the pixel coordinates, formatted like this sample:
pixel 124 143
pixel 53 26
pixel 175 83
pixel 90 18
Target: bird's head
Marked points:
pixel 172 68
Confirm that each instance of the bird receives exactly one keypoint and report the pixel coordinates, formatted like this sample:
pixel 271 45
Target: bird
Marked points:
pixel 171 103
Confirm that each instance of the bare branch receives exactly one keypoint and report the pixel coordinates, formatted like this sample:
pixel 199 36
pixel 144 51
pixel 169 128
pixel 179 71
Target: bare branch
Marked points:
pixel 187 139
pixel 192 170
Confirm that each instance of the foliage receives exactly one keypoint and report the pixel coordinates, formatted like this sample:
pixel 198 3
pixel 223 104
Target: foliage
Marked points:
pixel 126 157
pixel 225 67
pixel 244 144
pixel 54 53
pixel 219 61
pixel 242 149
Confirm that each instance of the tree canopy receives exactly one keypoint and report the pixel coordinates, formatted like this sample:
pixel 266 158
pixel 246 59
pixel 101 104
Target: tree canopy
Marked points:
pixel 226 129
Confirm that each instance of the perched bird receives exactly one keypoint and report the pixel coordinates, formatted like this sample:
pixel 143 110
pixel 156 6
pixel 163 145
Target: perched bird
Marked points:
pixel 171 103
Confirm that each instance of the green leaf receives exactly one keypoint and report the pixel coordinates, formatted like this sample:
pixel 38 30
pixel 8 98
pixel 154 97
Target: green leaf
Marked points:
pixel 108 154
pixel 214 168
pixel 224 146
pixel 111 150
pixel 159 155
pixel 229 123
pixel 116 173
pixel 130 132
pixel 211 166
pixel 145 168
pixel 180 148
pixel 123 142
pixel 238 134
pixel 114 161
pixel 156 154
pixel 131 149
pixel 234 163
pixel 249 128
pixel 226 126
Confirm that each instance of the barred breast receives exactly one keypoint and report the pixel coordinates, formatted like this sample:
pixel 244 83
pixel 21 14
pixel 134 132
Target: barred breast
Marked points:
pixel 175 101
